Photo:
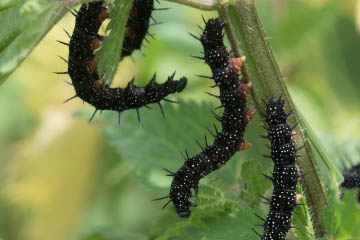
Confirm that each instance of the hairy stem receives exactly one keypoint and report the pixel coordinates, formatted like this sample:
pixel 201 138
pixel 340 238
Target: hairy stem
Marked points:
pixel 200 4
pixel 244 29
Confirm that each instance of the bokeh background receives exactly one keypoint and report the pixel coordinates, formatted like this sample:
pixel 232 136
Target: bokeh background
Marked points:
pixel 61 178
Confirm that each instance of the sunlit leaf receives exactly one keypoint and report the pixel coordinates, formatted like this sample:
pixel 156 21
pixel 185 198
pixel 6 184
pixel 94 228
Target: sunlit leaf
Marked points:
pixel 23 24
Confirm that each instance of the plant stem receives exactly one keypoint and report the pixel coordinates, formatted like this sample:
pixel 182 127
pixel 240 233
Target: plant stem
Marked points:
pixel 200 4
pixel 244 29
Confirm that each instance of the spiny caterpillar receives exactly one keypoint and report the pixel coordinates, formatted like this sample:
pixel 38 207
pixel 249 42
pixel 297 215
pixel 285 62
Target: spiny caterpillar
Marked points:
pixel 285 174
pixel 235 117
pixel 82 64
pixel 137 26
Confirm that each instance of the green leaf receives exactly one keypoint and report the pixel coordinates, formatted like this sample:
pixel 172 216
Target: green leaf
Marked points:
pixel 109 234
pixel 256 185
pixel 109 56
pixel 340 216
pixel 23 24
pixel 301 219
pixel 216 218
pixel 156 144
pixel 161 141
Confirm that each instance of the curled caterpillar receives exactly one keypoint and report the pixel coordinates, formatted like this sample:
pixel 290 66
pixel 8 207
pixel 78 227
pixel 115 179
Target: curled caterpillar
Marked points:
pixel 82 64
pixel 352 179
pixel 235 117
pixel 285 174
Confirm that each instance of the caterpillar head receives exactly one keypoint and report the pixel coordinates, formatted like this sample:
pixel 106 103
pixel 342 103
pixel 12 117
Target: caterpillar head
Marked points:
pixel 180 198
pixel 183 210
pixel 275 113
pixel 212 36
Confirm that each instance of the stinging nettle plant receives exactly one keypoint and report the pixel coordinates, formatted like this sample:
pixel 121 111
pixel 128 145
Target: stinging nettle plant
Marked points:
pixel 247 38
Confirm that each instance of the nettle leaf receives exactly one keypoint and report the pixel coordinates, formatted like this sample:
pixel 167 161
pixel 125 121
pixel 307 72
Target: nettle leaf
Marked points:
pixel 158 142
pixel 341 216
pixel 155 145
pixel 23 24
pixel 216 218
pixel 302 219
pixel 251 173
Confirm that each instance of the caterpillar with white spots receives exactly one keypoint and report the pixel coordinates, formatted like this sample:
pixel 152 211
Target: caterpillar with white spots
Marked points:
pixel 285 174
pixel 234 120
pixel 82 64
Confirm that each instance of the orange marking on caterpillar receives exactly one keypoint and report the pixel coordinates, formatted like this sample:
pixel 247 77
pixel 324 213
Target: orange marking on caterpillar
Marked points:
pixel 299 197
pixel 238 62
pixel 246 88
pixel 103 15
pixel 98 84
pixel 91 66
pixel 249 115
pixel 243 146
pixel 293 137
pixel 96 42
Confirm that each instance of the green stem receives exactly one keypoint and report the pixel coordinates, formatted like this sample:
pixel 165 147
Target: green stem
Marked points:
pixel 200 4
pixel 244 29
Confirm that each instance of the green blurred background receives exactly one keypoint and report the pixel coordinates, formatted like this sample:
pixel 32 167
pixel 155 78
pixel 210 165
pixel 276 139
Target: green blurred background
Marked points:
pixel 60 178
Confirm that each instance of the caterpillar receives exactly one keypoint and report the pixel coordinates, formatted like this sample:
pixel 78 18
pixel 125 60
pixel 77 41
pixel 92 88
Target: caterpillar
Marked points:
pixel 285 174
pixel 235 117
pixel 352 179
pixel 137 26
pixel 82 64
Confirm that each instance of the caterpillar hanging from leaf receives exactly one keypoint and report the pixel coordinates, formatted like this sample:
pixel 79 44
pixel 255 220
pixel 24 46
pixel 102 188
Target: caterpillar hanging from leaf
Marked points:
pixel 234 120
pixel 82 64
pixel 285 174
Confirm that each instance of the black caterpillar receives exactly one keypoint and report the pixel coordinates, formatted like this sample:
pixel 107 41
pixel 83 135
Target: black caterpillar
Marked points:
pixel 352 179
pixel 285 174
pixel 233 95
pixel 82 64
pixel 137 26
